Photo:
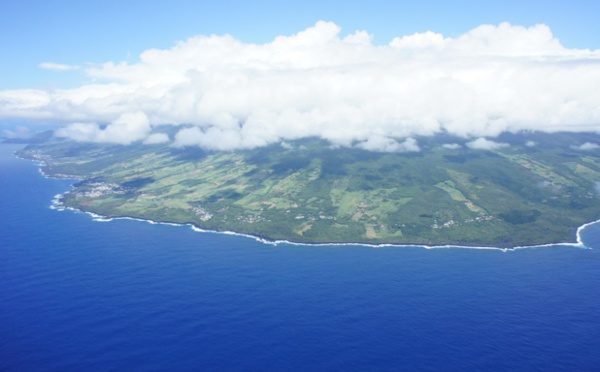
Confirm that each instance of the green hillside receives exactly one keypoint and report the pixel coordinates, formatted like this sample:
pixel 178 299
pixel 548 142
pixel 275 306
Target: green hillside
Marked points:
pixel 310 192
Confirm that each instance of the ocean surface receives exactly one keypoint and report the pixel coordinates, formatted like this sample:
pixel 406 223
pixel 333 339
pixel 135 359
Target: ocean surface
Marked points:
pixel 82 295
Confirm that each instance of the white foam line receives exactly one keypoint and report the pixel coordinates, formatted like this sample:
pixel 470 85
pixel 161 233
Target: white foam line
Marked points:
pixel 578 234
pixel 100 218
pixel 387 245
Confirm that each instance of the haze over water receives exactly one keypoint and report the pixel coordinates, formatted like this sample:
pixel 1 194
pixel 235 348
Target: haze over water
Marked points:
pixel 126 295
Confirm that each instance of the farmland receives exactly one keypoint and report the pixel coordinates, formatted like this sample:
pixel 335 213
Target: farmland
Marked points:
pixel 311 192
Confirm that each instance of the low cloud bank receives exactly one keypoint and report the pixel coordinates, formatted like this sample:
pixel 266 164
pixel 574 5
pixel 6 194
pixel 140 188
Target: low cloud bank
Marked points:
pixel 19 132
pixel 452 146
pixel 345 89
pixel 128 128
pixel 588 146
pixel 485 144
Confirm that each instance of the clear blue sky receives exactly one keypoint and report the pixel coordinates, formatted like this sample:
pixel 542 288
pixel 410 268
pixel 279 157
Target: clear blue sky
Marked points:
pixel 76 32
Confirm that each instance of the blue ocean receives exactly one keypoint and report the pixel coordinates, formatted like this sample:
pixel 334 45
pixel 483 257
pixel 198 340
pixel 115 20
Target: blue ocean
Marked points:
pixel 82 295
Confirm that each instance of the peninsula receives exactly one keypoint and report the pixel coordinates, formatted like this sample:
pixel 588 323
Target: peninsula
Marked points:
pixel 533 188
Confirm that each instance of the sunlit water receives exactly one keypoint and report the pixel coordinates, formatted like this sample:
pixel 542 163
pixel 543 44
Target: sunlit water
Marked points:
pixel 78 295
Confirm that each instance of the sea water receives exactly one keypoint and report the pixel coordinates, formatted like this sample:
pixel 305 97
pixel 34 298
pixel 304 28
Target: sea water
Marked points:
pixel 78 295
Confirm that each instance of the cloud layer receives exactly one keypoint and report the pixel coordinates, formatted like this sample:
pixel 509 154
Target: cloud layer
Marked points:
pixel 57 66
pixel 345 89
pixel 485 144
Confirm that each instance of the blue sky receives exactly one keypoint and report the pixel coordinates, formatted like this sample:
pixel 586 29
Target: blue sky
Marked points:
pixel 374 74
pixel 76 32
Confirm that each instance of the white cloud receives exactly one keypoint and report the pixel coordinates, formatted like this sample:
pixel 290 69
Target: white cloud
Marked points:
pixel 57 66
pixel 26 101
pixel 344 89
pixel 212 138
pixel 452 146
pixel 485 144
pixel 419 41
pixel 126 129
pixel 588 146
pixel 19 132
pixel 385 144
pixel 286 145
pixel 530 144
pixel 80 132
pixel 156 138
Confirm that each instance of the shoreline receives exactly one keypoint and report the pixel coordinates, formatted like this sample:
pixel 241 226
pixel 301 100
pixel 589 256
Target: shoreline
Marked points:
pixel 57 205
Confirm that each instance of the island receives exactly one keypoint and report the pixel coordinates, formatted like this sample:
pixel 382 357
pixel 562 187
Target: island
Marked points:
pixel 533 188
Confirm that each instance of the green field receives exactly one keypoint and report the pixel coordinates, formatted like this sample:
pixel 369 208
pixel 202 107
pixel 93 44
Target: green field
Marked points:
pixel 313 193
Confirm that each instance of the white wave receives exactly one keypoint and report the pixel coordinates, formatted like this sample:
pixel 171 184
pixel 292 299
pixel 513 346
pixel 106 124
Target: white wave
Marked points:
pixel 580 229
pixel 578 244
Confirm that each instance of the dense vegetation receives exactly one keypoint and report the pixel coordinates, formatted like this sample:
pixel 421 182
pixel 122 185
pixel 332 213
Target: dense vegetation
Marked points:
pixel 310 192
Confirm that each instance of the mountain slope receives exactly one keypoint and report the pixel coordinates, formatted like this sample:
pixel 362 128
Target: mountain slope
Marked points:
pixel 309 192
